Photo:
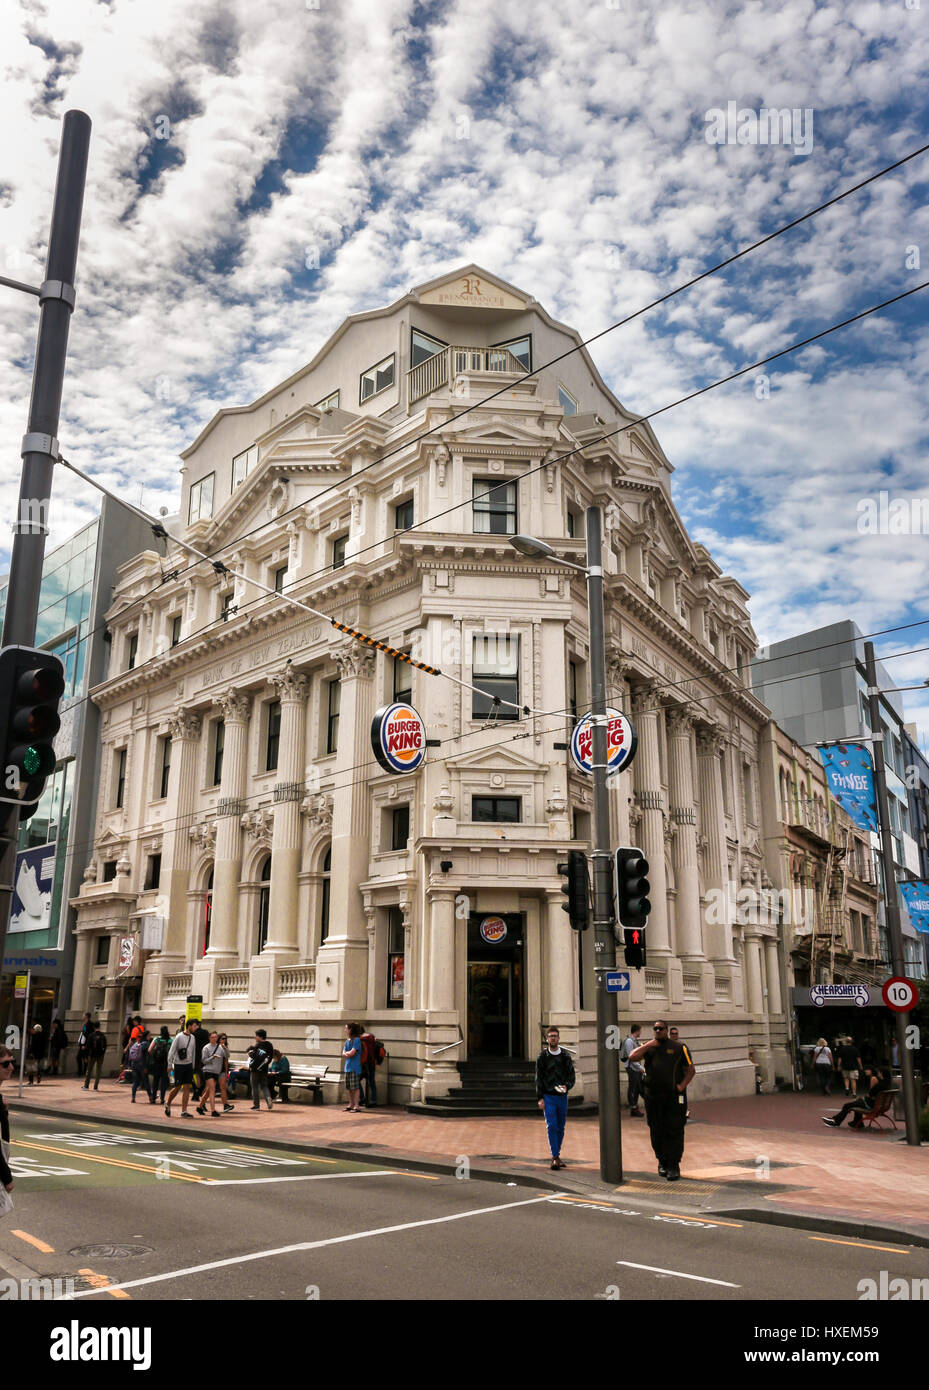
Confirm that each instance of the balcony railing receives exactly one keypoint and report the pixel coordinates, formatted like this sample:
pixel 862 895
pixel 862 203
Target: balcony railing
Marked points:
pixel 453 362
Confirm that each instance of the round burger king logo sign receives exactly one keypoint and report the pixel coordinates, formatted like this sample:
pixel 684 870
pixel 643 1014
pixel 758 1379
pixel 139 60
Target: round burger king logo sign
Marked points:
pixel 398 737
pixel 620 742
pixel 493 929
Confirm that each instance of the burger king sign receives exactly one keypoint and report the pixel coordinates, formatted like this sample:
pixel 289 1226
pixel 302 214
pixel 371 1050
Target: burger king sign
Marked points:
pixel 620 742
pixel 398 737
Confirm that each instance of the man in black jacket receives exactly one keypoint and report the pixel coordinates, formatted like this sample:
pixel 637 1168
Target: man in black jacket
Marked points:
pixel 669 1069
pixel 554 1078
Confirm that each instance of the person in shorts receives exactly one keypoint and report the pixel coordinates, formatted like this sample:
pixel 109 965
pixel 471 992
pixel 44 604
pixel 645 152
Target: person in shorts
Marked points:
pixel 850 1066
pixel 351 1052
pixel 181 1057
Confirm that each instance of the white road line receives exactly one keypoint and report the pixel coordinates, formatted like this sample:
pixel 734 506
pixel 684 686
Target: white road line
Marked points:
pixel 300 1177
pixel 315 1245
pixel 678 1274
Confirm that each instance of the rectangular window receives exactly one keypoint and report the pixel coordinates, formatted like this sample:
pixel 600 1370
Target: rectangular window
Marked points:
pixel 120 777
pixel 330 402
pixel 102 956
pixel 175 630
pixel 219 744
pixel 109 870
pixel 495 668
pixel 580 825
pixel 201 500
pixel 399 827
pixel 274 735
pixel 494 507
pixel 153 872
pixel 403 682
pixel 572 689
pixel 521 349
pixel 571 524
pixel 566 400
pixel 332 724
pixel 395 958
pixel 132 651
pixel 165 770
pixel 338 551
pixel 377 379
pixel 422 347
pixel 497 808
pixel 403 515
pixel 227 607
pixel 242 465
pixel 279 576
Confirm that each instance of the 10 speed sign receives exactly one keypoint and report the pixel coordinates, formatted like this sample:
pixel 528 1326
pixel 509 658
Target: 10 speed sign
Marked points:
pixel 899 994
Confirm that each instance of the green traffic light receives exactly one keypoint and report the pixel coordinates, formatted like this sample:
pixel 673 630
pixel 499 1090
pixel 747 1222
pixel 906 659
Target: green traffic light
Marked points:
pixel 32 761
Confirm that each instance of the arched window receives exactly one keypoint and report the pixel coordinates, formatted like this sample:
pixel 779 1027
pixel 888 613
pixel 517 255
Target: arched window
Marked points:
pixel 207 913
pixel 324 896
pixel 264 903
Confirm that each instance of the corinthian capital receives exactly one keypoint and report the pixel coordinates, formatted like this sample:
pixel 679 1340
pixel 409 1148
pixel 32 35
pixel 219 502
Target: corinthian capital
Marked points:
pixel 680 721
pixel 354 660
pixel 184 723
pixel 235 705
pixel 710 743
pixel 290 684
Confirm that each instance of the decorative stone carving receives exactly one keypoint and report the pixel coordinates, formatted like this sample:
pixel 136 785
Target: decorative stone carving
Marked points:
pixel 318 810
pixel 90 873
pixel 290 684
pixel 278 498
pixel 635 816
pixel 710 743
pixel 204 834
pixel 670 829
pixel 680 721
pixel 185 723
pixel 444 803
pixel 612 519
pixel 354 497
pixel 259 824
pixel 556 804
pixel 235 705
pixel 123 867
pixel 354 660
pixel 441 459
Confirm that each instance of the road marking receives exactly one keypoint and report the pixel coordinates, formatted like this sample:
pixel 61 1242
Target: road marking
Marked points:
pixel 320 1244
pixel 701 1220
pixel 423 1177
pixel 102 1284
pixel 677 1273
pixel 111 1162
pixel 588 1202
pixel 300 1177
pixel 859 1245
pixel 34 1240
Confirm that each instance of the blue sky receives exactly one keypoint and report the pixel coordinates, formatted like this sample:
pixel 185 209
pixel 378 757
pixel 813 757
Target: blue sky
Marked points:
pixel 562 147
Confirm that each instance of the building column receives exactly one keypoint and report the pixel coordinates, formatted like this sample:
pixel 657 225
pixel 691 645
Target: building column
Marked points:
pixel 440 1073
pixel 681 786
pixel 773 971
pixel 80 980
pixel 227 865
pixel 560 943
pixel 291 687
pixel 647 778
pixel 184 728
pixel 344 952
pixel 754 1003
pixel 717 932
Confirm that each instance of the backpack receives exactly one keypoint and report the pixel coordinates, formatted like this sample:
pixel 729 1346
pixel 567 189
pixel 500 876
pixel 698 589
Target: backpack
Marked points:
pixel 136 1050
pixel 159 1052
pixel 378 1051
pixel 98 1043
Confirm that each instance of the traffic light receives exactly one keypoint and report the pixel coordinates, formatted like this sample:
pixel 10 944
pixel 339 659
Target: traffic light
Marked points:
pixel 31 685
pixel 632 904
pixel 577 889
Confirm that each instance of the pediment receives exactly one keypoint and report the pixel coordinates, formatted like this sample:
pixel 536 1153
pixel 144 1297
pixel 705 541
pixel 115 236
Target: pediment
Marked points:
pixel 472 288
pixel 110 840
pixel 497 430
pixel 492 760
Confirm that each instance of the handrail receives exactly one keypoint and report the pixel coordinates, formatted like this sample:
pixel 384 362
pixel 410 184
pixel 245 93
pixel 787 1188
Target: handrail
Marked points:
pixel 448 1046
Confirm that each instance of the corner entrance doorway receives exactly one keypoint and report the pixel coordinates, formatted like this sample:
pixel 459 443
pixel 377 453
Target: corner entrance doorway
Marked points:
pixel 496 976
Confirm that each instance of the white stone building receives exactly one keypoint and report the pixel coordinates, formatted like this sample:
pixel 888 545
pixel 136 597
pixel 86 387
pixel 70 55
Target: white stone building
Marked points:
pixel 239 799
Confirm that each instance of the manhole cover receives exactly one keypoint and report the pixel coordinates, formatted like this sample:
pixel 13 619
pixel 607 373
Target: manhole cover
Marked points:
pixel 109 1252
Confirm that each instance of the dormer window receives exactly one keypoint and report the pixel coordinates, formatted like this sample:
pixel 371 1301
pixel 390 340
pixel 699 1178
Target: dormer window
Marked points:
pixel 566 400
pixel 422 347
pixel 521 349
pixel 377 378
pixel 330 402
pixel 243 464
pixel 200 507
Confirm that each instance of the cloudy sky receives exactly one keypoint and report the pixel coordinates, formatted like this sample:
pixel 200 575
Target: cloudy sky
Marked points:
pixel 257 172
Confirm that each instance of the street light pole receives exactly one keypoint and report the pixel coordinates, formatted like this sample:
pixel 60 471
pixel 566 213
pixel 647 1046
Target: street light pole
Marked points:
pixel 611 1159
pixel 891 895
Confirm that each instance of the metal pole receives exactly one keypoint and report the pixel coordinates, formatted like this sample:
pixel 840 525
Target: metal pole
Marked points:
pixel 611 1155
pixel 40 443
pixel 891 896
pixel 24 1041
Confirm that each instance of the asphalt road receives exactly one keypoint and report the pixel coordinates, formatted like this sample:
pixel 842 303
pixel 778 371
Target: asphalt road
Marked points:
pixel 139 1215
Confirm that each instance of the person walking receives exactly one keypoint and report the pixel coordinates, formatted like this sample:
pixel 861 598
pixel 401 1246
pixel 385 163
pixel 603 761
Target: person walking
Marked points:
pixel 137 1057
pixel 35 1053
pixel 82 1042
pixel 261 1054
pixel 96 1051
pixel 7 1062
pixel 669 1070
pixel 157 1061
pixel 554 1078
pixel 279 1076
pixel 675 1036
pixel 635 1071
pixel 876 1080
pixel 181 1057
pixel 201 1038
pixel 824 1066
pixel 850 1065
pixel 57 1044
pixel 213 1061
pixel 351 1053
pixel 224 1077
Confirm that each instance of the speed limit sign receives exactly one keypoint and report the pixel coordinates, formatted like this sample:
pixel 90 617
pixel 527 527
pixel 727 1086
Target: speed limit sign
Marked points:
pixel 899 994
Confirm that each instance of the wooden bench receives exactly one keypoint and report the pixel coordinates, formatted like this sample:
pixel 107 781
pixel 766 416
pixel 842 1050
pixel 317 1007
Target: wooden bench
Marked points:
pixel 309 1078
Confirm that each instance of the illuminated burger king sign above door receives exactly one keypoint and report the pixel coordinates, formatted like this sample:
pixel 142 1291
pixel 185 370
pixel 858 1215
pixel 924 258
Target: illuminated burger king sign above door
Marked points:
pixel 621 743
pixel 398 737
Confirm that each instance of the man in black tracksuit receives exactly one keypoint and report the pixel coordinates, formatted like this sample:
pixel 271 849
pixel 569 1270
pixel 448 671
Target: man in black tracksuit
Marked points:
pixel 669 1069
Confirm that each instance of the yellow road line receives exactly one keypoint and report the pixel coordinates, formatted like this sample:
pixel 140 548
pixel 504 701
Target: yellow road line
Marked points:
pixel 426 1177
pixel 587 1201
pixel 704 1220
pixel 112 1162
pixel 34 1240
pixel 859 1245
pixel 101 1282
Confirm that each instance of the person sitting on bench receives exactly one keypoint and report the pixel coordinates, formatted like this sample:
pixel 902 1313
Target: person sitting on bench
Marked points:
pixel 877 1080
pixel 279 1074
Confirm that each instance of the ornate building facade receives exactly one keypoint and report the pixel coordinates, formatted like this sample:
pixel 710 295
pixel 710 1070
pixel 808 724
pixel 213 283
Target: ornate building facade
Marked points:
pixel 298 884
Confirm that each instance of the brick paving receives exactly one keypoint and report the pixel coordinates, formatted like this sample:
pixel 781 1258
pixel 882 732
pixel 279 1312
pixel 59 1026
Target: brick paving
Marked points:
pixel 733 1146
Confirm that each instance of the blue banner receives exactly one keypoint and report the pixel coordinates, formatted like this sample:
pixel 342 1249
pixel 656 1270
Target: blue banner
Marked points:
pixel 916 896
pixel 850 778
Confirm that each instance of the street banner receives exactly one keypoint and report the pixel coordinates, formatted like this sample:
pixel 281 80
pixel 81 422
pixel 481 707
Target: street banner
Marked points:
pixel 127 957
pixel 33 879
pixel 916 898
pixel 850 778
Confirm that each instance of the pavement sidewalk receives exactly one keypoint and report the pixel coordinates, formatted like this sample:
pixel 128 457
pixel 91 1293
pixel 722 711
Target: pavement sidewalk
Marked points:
pixel 769 1158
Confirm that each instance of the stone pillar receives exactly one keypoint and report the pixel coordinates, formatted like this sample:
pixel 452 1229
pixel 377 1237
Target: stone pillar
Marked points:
pixel 681 786
pixel 291 686
pixel 717 934
pixel 754 1001
pixel 775 1003
pixel 647 775
pixel 344 952
pixel 81 978
pixel 227 866
pixel 441 952
pixel 184 728
pixel 560 947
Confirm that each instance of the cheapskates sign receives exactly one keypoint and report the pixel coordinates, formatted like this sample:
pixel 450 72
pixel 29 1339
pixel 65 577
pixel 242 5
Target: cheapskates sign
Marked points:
pixel 850 777
pixel 620 743
pixel 398 737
